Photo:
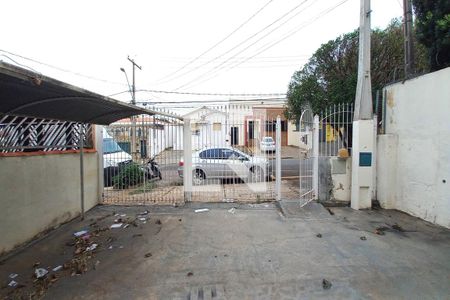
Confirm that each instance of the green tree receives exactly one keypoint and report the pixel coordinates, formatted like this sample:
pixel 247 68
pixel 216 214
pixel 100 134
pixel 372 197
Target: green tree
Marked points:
pixel 433 30
pixel 330 75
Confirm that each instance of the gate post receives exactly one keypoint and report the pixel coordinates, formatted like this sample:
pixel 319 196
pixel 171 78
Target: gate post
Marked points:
pixel 187 157
pixel 278 159
pixel 315 150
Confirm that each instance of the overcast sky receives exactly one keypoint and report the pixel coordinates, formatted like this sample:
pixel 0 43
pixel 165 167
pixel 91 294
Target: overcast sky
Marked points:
pixel 94 38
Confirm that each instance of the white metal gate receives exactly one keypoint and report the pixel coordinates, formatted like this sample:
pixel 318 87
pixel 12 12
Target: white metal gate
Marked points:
pixel 307 157
pixel 213 156
pixel 322 137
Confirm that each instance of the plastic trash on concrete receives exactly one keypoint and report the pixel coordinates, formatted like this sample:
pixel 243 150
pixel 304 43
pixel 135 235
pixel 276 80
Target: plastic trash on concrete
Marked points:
pixel 200 210
pixel 80 233
pixel 118 225
pixel 92 247
pixel 57 268
pixel 12 283
pixel 40 272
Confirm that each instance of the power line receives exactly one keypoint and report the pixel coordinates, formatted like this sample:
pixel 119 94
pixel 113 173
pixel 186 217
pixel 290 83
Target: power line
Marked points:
pixel 218 43
pixel 59 69
pixel 204 94
pixel 241 43
pixel 19 64
pixel 269 45
pixel 259 59
pixel 212 101
pixel 242 50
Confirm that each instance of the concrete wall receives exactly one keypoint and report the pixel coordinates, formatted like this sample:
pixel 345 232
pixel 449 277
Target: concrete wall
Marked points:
pixel 293 138
pixel 414 160
pixel 40 192
pixel 334 179
pixel 341 176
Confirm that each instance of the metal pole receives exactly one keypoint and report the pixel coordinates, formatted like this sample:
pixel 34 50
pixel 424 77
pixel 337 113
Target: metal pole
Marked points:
pixel 315 150
pixel 187 156
pixel 133 118
pixel 82 170
pixel 278 159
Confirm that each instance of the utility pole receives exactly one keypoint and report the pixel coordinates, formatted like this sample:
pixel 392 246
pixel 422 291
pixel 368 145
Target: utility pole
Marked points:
pixel 363 98
pixel 134 145
pixel 409 43
pixel 363 133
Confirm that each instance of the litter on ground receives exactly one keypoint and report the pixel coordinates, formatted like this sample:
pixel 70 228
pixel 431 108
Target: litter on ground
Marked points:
pixel 118 225
pixel 326 284
pixel 57 268
pixel 40 272
pixel 91 247
pixel 80 233
pixel 12 283
pixel 201 210
pixel 232 210
pixel 13 275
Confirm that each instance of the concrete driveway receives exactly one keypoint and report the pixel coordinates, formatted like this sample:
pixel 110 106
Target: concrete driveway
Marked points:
pixel 250 252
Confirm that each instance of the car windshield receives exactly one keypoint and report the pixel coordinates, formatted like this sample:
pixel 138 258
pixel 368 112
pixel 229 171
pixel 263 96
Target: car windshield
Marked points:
pixel 268 139
pixel 110 146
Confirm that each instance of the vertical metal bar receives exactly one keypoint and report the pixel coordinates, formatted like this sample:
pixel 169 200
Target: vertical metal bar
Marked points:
pixel 316 156
pixel 82 170
pixel 99 146
pixel 278 159
pixel 187 166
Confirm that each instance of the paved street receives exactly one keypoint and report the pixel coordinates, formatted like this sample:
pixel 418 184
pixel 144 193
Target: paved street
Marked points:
pixel 251 252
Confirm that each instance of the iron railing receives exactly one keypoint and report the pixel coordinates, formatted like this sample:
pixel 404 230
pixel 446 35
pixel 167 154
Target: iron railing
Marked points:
pixel 335 129
pixel 25 134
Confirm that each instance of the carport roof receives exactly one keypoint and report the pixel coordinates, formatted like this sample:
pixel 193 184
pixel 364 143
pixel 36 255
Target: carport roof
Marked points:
pixel 26 93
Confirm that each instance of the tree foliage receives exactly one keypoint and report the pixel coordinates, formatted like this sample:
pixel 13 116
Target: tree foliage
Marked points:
pixel 433 30
pixel 330 75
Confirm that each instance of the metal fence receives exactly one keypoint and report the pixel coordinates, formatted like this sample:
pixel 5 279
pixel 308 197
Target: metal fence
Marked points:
pixel 25 134
pixel 233 161
pixel 146 159
pixel 335 129
pixel 141 158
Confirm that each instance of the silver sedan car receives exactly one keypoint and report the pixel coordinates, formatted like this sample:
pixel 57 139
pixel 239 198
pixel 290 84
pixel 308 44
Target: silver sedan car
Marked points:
pixel 227 163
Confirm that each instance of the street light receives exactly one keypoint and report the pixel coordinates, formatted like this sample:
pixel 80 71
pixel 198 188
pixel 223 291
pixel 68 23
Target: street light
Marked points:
pixel 128 82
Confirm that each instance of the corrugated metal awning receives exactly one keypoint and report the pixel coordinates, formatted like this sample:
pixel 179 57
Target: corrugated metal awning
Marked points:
pixel 26 93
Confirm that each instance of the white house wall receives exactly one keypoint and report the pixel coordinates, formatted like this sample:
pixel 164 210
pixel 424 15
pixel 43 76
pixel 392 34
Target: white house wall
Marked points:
pixel 418 118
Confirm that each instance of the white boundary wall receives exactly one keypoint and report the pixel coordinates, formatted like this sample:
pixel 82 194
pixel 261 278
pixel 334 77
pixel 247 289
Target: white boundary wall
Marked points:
pixel 413 171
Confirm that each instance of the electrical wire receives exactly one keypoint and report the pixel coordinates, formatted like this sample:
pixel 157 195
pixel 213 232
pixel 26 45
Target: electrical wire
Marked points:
pixel 213 101
pixel 204 94
pixel 19 64
pixel 246 48
pixel 241 43
pixel 267 46
pixel 60 69
pixel 218 43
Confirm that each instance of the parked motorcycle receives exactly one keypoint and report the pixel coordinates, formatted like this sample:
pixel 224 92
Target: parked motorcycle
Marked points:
pixel 152 170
